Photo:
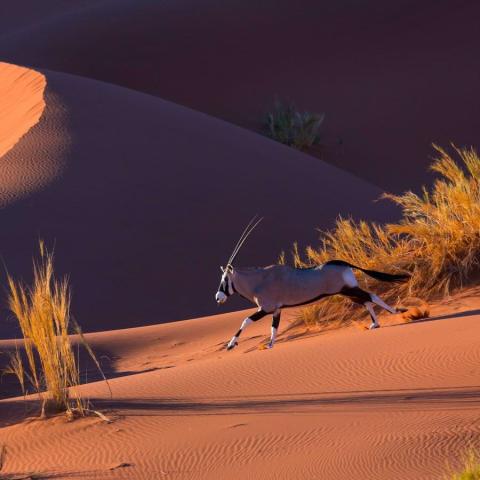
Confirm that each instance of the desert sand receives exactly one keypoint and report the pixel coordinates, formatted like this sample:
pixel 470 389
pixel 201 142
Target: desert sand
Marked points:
pixel 391 77
pixel 129 140
pixel 398 402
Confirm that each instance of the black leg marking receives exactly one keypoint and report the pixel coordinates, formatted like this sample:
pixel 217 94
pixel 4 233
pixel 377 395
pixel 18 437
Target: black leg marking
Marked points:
pixel 356 294
pixel 252 318
pixel 275 324
pixel 276 320
pixel 258 315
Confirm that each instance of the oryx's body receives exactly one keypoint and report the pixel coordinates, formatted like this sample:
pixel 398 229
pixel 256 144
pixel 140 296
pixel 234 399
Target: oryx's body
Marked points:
pixel 277 287
pixel 280 286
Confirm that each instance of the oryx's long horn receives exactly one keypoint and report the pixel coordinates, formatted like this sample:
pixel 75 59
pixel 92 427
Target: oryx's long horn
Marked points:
pixel 245 230
pixel 245 234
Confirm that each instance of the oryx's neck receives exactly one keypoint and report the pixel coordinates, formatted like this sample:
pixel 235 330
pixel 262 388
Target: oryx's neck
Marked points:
pixel 246 281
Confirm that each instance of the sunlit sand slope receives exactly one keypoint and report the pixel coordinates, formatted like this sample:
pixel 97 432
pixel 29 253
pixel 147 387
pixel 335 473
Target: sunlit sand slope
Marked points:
pixel 21 103
pixel 399 402
pixel 33 136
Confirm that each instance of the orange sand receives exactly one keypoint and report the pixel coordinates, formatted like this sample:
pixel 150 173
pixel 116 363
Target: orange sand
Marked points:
pixel 21 103
pixel 144 199
pixel 398 402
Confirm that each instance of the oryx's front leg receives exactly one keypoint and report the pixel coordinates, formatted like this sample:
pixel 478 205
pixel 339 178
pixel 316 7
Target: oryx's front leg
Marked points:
pixel 275 324
pixel 252 318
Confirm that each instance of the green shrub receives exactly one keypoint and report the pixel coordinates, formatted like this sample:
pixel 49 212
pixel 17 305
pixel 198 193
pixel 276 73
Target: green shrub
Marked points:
pixel 287 125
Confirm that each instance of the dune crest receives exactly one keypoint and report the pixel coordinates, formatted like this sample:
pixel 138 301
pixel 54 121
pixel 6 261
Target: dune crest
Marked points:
pixel 21 103
pixel 33 133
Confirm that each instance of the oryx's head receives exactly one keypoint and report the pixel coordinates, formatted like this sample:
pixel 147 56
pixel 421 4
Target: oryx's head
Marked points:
pixel 226 287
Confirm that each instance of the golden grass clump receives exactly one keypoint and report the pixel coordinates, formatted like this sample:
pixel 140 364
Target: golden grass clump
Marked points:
pixel 43 313
pixel 470 469
pixel 437 240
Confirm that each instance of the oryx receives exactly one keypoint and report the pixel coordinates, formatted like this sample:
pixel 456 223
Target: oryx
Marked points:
pixel 276 287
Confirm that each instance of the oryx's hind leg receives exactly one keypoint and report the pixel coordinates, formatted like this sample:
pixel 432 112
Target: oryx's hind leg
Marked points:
pixel 371 311
pixel 252 318
pixel 275 324
pixel 381 303
pixel 358 295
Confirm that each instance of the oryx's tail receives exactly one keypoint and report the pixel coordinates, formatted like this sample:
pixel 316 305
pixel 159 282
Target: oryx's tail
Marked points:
pixel 383 277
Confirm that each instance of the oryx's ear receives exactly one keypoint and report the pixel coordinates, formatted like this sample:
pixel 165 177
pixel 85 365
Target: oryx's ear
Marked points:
pixel 222 269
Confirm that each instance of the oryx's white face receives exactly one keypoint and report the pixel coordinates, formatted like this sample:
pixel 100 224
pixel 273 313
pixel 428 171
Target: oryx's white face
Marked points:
pixel 225 289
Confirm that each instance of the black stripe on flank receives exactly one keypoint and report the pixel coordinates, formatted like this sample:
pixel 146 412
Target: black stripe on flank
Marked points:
pixel 356 294
pixel 323 295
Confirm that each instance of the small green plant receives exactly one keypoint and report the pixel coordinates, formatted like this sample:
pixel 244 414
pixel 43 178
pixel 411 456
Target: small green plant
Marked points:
pixel 287 125
pixel 470 469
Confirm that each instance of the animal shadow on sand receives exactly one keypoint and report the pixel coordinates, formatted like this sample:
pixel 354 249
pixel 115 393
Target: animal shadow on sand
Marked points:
pixel 450 316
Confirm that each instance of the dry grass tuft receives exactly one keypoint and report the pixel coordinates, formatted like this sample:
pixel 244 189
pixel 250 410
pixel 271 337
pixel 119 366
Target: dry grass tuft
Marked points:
pixel 43 313
pixel 3 454
pixel 470 469
pixel 416 313
pixel 437 240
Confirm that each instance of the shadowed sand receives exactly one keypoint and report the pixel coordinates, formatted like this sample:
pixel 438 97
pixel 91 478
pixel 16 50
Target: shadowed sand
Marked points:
pixel 150 197
pixel 392 403
pixel 392 77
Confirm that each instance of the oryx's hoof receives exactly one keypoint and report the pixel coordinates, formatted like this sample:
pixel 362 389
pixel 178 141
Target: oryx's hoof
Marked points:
pixel 231 345
pixel 270 345
pixel 373 326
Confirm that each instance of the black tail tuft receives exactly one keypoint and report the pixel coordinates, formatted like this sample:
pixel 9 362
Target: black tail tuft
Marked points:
pixel 386 277
pixel 383 277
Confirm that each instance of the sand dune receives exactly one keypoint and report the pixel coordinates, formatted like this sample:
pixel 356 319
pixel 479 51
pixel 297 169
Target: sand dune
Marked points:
pixel 21 103
pixel 144 198
pixel 394 403
pixel 392 77
pixel 33 135
pixel 152 197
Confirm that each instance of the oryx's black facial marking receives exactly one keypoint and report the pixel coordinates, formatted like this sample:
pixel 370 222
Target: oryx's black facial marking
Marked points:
pixel 226 286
